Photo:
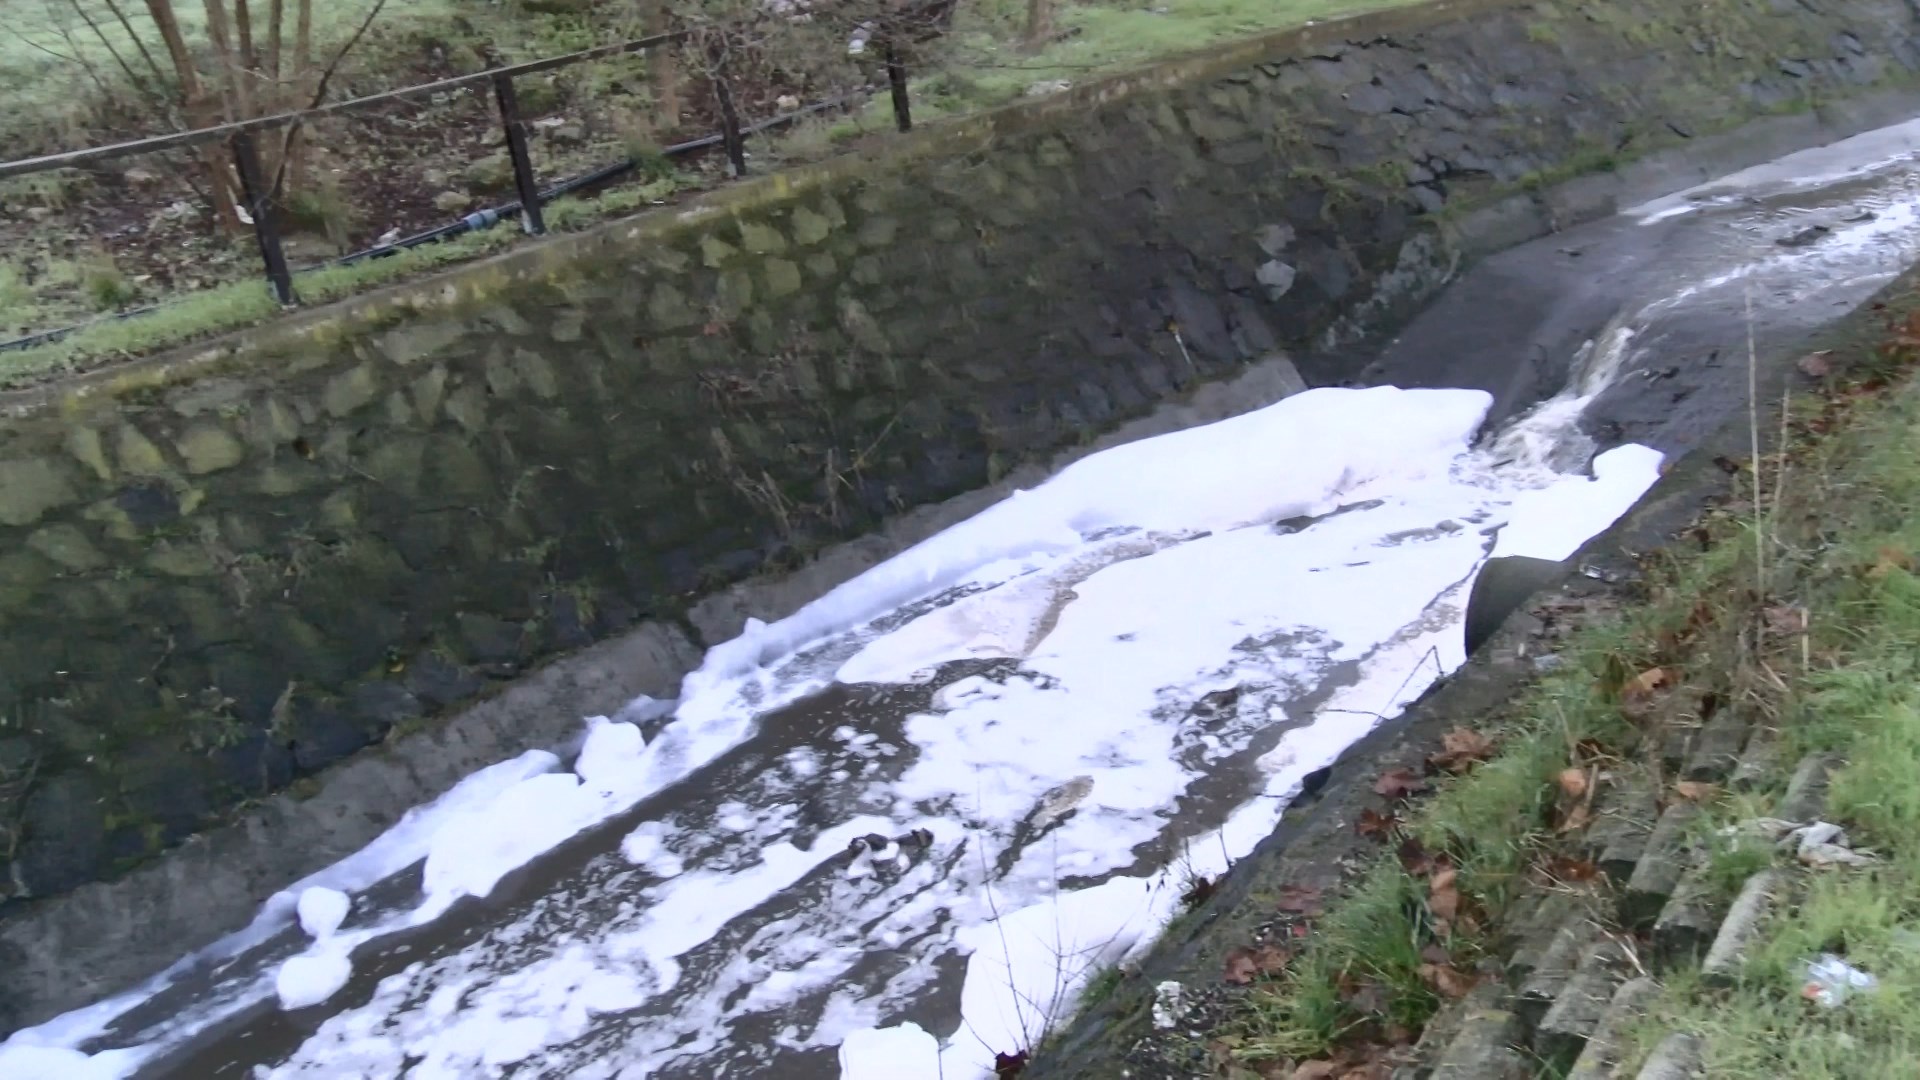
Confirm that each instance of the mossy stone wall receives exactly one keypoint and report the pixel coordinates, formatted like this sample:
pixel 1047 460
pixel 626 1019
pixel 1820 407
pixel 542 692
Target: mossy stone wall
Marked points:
pixel 224 570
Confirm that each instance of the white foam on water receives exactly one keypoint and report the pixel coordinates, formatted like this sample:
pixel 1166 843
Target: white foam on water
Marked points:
pixel 313 976
pixel 1805 170
pixel 1127 588
pixel 404 844
pixel 322 910
pixel 903 1052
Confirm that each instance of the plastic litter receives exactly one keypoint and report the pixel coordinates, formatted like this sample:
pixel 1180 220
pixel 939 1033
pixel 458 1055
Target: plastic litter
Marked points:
pixel 1831 981
pixel 1169 1004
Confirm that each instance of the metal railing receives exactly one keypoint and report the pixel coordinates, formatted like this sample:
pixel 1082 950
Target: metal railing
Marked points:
pixel 260 195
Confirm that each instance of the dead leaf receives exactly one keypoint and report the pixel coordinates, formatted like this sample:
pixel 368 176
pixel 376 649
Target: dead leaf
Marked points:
pixel 1368 998
pixel 1577 817
pixel 1695 790
pixel 1317 1070
pixel 1240 967
pixel 1443 899
pixel 1008 1066
pixel 1888 560
pixel 1199 890
pixel 1300 900
pixel 1787 621
pixel 1460 748
pixel 1815 365
pixel 1642 686
pixel 1247 963
pixel 1448 981
pixel 1573 783
pixel 1375 825
pixel 1414 858
pixel 1398 783
pixel 1568 868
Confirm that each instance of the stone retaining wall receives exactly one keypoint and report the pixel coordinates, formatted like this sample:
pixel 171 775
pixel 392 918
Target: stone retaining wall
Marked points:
pixel 223 570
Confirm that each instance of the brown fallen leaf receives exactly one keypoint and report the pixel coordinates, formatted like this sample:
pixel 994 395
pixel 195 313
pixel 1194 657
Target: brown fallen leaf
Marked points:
pixel 1573 783
pixel 1247 963
pixel 1443 899
pixel 1889 559
pixel 1300 900
pixel 1577 817
pixel 1367 998
pixel 1398 783
pixel 1375 825
pixel 1787 621
pixel 1568 868
pixel 1460 748
pixel 1318 1070
pixel 1448 981
pixel 1695 790
pixel 1240 967
pixel 1199 890
pixel 1815 365
pixel 1642 686
pixel 1414 858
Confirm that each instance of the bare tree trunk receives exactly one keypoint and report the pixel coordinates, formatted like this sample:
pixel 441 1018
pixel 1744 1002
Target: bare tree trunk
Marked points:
pixel 229 74
pixel 276 14
pixel 663 65
pixel 139 84
pixel 297 167
pixel 120 16
pixel 200 110
pixel 1039 23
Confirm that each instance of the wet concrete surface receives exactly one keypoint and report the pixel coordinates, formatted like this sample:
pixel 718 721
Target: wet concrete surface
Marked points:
pixel 1769 257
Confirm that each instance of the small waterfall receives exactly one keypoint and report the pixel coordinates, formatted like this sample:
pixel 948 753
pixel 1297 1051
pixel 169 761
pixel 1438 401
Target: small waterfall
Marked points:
pixel 1547 441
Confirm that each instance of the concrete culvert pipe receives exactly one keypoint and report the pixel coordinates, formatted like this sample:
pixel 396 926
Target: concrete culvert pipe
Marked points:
pixel 1503 585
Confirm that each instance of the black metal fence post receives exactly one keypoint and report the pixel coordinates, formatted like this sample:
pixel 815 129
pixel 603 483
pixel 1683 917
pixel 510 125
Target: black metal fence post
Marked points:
pixel 730 134
pixel 897 82
pixel 260 199
pixel 531 219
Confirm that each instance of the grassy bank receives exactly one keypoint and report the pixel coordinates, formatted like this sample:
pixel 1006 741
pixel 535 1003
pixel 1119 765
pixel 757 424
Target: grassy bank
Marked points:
pixel 1796 602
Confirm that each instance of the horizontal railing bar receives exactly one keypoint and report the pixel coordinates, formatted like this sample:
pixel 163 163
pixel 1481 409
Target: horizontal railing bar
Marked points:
pixel 76 158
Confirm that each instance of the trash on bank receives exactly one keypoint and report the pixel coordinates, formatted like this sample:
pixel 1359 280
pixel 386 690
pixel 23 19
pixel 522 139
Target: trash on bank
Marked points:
pixel 1169 1004
pixel 1831 981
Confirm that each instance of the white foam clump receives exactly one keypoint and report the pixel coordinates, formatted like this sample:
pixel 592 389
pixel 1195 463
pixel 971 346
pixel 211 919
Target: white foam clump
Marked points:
pixel 1288 459
pixel 1298 456
pixel 1553 522
pixel 25 1061
pixel 470 855
pixel 401 846
pixel 322 910
pixel 902 1052
pixel 312 977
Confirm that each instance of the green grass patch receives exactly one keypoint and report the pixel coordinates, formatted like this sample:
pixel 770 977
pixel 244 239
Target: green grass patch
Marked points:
pixel 1845 540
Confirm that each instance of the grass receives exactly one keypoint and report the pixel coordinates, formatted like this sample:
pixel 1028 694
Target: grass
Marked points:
pixel 1843 537
pixel 1835 531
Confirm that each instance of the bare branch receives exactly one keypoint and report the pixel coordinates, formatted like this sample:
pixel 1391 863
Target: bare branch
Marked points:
pixel 120 16
pixel 139 85
pixel 320 91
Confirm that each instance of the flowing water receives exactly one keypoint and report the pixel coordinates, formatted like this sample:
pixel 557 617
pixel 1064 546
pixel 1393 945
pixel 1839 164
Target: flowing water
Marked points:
pixel 1085 695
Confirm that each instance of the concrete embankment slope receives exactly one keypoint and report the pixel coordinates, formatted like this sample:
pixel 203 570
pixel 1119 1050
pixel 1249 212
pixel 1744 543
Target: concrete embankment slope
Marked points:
pixel 224 571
